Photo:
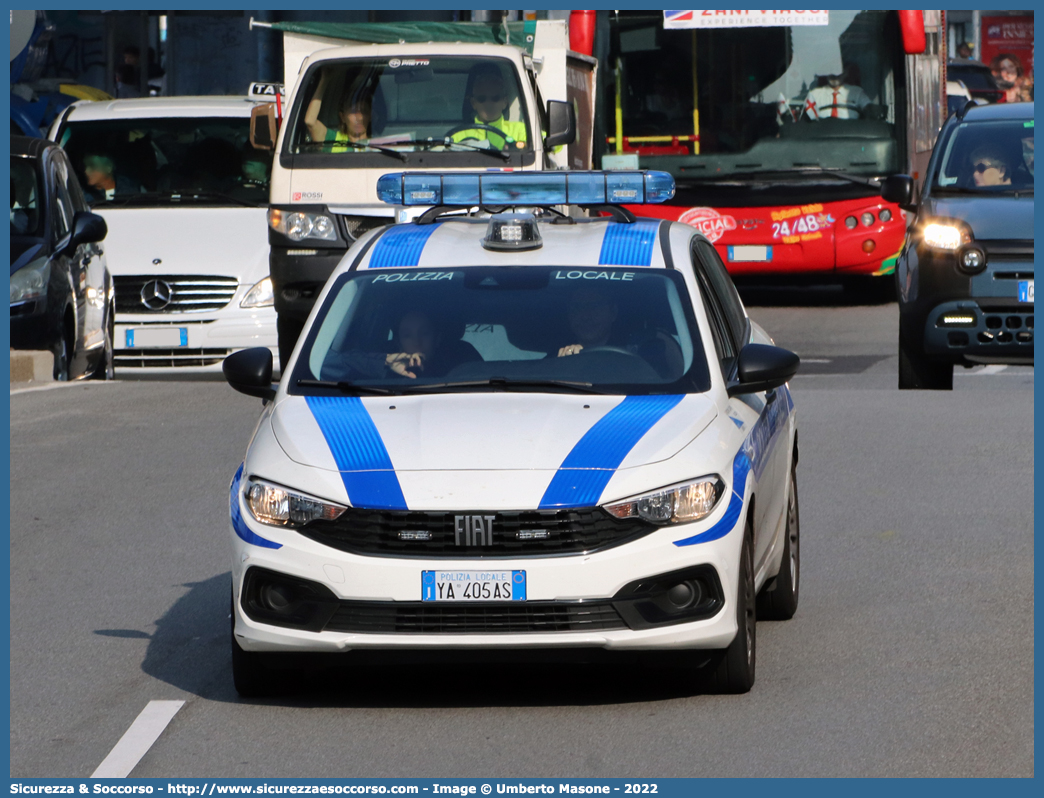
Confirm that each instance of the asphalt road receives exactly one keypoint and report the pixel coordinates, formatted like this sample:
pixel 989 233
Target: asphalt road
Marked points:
pixel 911 653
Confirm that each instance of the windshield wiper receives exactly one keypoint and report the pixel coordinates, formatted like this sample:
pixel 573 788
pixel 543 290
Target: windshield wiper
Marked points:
pixel 448 142
pixel 803 171
pixel 343 385
pixel 359 145
pixel 509 385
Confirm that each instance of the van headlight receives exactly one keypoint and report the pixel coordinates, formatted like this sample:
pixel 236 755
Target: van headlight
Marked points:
pixel 276 505
pixel 30 282
pixel 298 225
pixel 679 504
pixel 260 296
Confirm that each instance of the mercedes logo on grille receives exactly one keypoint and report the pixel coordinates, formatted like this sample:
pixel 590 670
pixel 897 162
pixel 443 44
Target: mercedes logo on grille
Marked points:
pixel 155 294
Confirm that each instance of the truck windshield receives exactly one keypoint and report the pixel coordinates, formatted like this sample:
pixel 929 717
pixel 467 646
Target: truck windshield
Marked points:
pixel 987 157
pixel 168 161
pixel 362 106
pixel 594 330
pixel 755 99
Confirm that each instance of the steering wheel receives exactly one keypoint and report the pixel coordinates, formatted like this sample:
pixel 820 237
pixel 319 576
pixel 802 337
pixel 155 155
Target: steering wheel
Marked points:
pixel 478 126
pixel 852 108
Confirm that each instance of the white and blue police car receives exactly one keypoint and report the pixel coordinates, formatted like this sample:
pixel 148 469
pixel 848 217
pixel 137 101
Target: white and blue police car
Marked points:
pixel 507 427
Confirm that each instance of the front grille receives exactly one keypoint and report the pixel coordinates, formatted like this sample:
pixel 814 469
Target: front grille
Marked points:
pixel 187 293
pixel 357 226
pixel 168 358
pixel 1007 250
pixel 536 533
pixel 430 618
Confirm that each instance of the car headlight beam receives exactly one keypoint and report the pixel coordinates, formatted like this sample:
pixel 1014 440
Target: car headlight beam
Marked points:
pixel 279 506
pixel 679 504
pixel 944 236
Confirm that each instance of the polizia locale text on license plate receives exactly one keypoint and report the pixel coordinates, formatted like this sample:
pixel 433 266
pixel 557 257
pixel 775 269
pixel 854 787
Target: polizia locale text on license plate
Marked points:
pixel 473 585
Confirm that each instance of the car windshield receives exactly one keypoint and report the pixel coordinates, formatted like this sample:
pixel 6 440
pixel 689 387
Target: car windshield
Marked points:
pixel 443 104
pixel 26 219
pixel 987 157
pixel 591 330
pixel 168 161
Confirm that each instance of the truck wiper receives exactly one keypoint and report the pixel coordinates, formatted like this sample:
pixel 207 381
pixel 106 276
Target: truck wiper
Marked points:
pixel 506 384
pixel 343 385
pixel 447 142
pixel 359 145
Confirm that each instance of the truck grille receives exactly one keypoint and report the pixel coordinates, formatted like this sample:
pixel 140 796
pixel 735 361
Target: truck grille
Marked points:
pixel 429 618
pixel 183 293
pixel 536 533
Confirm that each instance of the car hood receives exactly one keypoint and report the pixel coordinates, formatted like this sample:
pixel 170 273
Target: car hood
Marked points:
pixel 990 218
pixel 204 240
pixel 507 449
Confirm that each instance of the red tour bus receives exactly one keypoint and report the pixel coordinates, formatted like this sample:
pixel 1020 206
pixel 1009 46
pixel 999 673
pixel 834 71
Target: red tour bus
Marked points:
pixel 777 127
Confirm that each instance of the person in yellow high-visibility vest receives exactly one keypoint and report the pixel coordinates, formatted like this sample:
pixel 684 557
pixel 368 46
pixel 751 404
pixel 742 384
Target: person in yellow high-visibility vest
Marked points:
pixel 488 99
pixel 354 116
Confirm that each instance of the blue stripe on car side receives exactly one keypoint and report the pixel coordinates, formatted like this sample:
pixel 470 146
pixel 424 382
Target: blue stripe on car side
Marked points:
pixel 590 465
pixel 628 244
pixel 366 469
pixel 237 516
pixel 401 246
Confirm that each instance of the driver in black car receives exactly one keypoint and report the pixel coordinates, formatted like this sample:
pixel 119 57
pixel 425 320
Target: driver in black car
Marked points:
pixel 488 98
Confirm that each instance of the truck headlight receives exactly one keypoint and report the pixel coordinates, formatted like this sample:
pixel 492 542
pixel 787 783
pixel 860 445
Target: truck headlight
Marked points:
pixel 276 505
pixel 945 236
pixel 299 225
pixel 679 504
pixel 30 282
pixel 260 296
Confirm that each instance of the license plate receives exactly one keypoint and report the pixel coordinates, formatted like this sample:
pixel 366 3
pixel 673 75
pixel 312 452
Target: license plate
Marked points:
pixel 750 253
pixel 473 586
pixel 1026 291
pixel 157 336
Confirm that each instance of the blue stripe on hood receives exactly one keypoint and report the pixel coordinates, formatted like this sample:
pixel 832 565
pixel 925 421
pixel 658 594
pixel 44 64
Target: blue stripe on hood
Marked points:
pixel 365 466
pixel 590 465
pixel 401 246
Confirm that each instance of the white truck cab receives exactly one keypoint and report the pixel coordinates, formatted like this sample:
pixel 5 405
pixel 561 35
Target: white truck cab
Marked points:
pixel 358 109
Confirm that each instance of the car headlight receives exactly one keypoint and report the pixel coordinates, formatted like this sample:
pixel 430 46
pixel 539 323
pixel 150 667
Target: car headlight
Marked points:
pixel 30 282
pixel 299 225
pixel 945 236
pixel 679 504
pixel 273 504
pixel 260 296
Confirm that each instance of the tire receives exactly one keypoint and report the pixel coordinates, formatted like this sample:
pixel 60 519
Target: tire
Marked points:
pixel 61 360
pixel 106 370
pixel 251 677
pixel 734 670
pixel 780 603
pixel 917 372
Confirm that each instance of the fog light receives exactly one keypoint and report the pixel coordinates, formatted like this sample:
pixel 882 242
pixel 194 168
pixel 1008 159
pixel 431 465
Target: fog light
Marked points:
pixel 867 219
pixel 971 259
pixel 851 222
pixel 685 594
pixel 277 598
pixel 869 245
pixel 885 215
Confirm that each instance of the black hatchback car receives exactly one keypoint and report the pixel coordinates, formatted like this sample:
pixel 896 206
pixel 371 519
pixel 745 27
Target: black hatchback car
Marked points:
pixel 61 292
pixel 965 274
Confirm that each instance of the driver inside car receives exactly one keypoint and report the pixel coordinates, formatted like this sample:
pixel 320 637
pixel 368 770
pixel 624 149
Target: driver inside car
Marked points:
pixel 488 98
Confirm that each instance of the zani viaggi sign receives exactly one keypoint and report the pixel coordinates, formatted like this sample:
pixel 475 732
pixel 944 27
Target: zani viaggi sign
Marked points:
pixel 733 18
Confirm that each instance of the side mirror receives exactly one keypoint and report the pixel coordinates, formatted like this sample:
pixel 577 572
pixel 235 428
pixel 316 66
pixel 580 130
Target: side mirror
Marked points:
pixel 263 127
pixel 561 124
pixel 762 368
pixel 87 228
pixel 900 190
pixel 249 371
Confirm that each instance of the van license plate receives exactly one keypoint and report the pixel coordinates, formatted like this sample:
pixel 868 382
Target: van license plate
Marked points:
pixel 1026 291
pixel 473 585
pixel 157 337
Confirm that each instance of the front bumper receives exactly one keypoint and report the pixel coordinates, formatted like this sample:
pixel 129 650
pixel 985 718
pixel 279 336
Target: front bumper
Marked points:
pixel 392 586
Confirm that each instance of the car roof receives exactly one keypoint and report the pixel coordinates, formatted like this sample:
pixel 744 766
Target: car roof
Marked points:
pixel 162 107
pixel 983 113
pixel 457 243
pixel 29 146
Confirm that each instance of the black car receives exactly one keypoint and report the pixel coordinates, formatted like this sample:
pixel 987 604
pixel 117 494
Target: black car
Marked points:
pixel 965 274
pixel 976 76
pixel 61 293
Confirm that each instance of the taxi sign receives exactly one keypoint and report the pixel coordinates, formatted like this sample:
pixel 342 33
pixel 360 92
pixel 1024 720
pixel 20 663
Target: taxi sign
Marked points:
pixel 521 188
pixel 266 91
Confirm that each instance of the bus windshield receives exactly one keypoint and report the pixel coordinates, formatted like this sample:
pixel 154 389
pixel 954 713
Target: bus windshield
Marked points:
pixel 759 99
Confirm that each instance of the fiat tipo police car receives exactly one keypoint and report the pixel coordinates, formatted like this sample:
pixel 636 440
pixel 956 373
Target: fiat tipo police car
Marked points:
pixel 505 427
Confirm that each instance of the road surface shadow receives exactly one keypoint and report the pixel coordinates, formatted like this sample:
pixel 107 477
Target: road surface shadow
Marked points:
pixel 805 295
pixel 190 650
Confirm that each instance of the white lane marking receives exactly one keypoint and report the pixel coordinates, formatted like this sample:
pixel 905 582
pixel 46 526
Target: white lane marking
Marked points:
pixel 993 369
pixel 137 740
pixel 815 360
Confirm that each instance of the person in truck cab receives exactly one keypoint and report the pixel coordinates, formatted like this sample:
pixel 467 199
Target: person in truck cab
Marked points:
pixel 487 98
pixel 354 114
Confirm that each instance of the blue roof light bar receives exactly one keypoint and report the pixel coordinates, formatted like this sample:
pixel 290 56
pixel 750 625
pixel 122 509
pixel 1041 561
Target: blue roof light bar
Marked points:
pixel 525 188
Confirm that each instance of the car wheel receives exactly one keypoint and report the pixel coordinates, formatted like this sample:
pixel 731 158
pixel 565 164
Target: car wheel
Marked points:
pixel 105 370
pixel 250 675
pixel 917 372
pixel 734 670
pixel 61 360
pixel 780 603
